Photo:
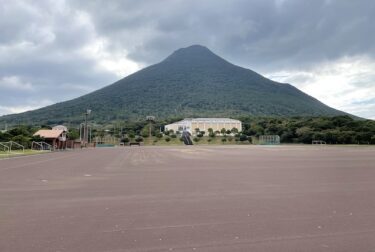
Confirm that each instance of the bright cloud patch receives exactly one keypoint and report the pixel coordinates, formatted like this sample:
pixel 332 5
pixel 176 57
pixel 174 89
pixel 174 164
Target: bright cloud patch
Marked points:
pixel 347 84
pixel 14 83
pixel 19 108
pixel 115 62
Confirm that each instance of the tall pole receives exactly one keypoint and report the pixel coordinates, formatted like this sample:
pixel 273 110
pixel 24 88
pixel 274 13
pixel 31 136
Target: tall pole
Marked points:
pixel 149 127
pixel 86 135
pixel 150 120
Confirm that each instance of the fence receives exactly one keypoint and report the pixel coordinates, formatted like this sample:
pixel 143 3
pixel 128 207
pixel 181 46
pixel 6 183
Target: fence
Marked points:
pixel 269 139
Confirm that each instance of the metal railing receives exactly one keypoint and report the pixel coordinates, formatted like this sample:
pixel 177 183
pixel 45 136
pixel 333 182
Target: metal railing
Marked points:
pixel 4 147
pixel 11 146
pixel 41 146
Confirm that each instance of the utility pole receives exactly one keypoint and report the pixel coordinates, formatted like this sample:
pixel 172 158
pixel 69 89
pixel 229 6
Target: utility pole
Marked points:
pixel 150 120
pixel 86 135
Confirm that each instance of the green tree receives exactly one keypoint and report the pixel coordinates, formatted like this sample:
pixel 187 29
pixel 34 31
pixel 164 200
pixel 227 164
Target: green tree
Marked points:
pixel 139 139
pixel 131 134
pixel 125 140
pixel 23 140
pixel 243 138
pixel 73 134
pixel 234 130
pixel 211 134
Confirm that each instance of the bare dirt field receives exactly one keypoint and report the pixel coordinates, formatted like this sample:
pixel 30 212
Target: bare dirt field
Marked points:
pixel 196 198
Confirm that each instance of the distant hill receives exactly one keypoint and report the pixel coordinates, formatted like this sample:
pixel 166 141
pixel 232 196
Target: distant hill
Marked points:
pixel 191 82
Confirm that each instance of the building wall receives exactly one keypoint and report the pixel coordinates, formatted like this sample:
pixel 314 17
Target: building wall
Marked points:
pixel 216 126
pixel 179 126
pixel 191 124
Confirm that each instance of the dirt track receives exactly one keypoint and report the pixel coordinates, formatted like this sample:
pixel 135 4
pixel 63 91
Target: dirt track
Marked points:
pixel 194 198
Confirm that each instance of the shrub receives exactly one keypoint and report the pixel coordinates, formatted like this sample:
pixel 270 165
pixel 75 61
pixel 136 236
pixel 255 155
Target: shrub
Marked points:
pixel 243 138
pixel 159 135
pixel 250 139
pixel 173 136
pixel 125 140
pixel 209 140
pixel 139 139
pixel 195 139
pixel 144 133
pixel 223 140
pixel 167 139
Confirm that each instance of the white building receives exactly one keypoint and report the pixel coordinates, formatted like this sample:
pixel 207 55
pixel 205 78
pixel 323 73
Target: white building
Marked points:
pixel 203 124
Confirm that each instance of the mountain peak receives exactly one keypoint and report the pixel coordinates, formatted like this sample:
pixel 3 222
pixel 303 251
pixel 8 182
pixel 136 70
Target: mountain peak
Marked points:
pixel 194 48
pixel 194 53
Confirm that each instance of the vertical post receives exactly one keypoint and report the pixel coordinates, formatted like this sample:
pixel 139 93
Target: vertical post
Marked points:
pixel 150 120
pixel 85 131
pixel 149 133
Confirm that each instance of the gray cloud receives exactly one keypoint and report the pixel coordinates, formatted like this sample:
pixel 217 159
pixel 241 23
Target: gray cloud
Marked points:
pixel 265 34
pixel 63 49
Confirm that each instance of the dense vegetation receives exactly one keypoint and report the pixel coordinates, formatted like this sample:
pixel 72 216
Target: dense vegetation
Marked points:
pixel 192 82
pixel 333 130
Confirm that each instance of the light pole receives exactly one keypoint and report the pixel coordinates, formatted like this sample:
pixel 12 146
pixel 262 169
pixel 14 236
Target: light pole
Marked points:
pixel 86 135
pixel 150 120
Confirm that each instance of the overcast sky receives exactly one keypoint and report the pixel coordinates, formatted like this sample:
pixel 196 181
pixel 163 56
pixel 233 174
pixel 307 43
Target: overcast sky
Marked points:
pixel 52 51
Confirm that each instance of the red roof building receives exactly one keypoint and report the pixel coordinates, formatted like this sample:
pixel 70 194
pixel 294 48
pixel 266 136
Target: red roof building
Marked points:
pixel 55 136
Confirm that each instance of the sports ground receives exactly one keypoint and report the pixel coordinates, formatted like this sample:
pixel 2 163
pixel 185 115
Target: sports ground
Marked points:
pixel 190 198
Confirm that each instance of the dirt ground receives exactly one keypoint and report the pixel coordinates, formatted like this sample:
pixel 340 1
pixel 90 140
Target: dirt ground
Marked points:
pixel 190 198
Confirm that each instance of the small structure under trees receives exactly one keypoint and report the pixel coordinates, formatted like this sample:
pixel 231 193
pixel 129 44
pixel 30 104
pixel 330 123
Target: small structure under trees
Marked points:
pixel 56 137
pixel 269 139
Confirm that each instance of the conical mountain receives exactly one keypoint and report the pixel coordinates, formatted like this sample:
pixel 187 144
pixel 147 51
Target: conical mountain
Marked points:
pixel 191 82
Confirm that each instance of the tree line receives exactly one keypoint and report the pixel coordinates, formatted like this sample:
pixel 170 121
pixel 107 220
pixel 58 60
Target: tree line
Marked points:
pixel 332 130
